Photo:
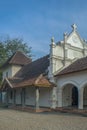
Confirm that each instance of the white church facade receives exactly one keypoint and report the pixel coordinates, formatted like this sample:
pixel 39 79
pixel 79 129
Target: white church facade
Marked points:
pixel 56 80
pixel 70 55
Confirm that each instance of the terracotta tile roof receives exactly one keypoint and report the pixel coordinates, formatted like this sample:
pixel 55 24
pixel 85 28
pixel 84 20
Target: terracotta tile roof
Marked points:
pixel 78 65
pixel 40 81
pixel 17 58
pixel 33 74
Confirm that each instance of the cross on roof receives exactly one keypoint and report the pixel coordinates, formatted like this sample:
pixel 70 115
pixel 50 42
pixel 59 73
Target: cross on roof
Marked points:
pixel 74 27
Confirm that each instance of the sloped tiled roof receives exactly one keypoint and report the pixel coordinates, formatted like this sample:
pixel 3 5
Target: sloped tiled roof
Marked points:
pixel 17 58
pixel 78 65
pixel 40 81
pixel 33 74
pixel 34 69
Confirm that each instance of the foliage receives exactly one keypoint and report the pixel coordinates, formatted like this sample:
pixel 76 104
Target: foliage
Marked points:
pixel 3 55
pixel 9 46
pixel 13 45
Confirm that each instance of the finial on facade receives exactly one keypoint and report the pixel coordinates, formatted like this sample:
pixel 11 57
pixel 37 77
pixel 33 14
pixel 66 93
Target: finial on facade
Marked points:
pixel 74 27
pixel 65 35
pixel 52 40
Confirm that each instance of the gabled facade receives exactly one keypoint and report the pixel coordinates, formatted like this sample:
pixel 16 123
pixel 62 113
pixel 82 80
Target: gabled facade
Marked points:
pixel 14 64
pixel 65 52
pixel 71 72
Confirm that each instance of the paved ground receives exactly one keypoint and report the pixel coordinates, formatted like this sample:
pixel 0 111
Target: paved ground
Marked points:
pixel 17 120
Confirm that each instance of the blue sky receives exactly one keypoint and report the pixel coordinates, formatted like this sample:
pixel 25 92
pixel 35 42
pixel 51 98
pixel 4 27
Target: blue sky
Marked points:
pixel 36 21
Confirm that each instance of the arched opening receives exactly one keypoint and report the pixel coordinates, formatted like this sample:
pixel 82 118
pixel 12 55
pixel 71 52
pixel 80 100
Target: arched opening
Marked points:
pixel 85 97
pixel 70 96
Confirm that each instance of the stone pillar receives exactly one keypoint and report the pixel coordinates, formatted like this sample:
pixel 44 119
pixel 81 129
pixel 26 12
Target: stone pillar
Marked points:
pixel 23 97
pixel 80 98
pixel 37 98
pixel 60 104
pixel 54 98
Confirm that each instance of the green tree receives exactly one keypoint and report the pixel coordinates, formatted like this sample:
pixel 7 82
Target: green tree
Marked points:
pixel 3 55
pixel 9 46
pixel 13 45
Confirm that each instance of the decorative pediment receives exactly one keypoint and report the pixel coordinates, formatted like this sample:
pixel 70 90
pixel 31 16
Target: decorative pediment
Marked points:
pixel 74 38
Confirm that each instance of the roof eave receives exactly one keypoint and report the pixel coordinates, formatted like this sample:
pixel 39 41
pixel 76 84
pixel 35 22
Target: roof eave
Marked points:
pixel 69 73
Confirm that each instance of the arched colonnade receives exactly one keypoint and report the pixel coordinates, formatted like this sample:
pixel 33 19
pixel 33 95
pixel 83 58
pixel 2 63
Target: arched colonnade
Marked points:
pixel 71 94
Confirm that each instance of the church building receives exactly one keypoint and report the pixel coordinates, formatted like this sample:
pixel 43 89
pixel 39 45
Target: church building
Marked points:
pixel 54 81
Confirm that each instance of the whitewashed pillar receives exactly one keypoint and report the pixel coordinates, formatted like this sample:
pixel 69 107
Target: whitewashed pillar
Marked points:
pixel 37 98
pixel 60 98
pixel 54 98
pixel 80 98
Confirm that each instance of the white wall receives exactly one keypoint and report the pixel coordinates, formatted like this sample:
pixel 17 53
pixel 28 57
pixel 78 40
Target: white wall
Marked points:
pixel 9 97
pixel 71 53
pixel 18 96
pixel 15 69
pixel 45 97
pixel 7 70
pixel 85 97
pixel 4 97
pixel 67 95
pixel 74 40
pixel 76 79
pixel 11 70
pixel 30 97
